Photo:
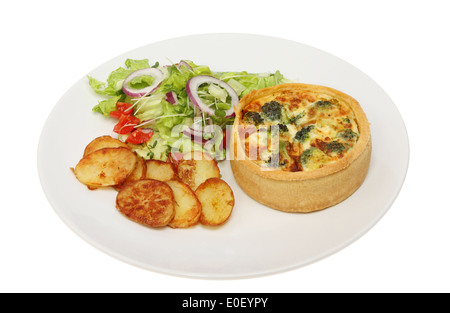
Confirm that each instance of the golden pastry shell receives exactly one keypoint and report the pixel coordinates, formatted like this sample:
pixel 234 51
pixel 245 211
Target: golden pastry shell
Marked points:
pixel 304 191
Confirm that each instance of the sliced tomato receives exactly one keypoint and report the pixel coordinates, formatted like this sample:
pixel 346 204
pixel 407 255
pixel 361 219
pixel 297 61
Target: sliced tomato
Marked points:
pixel 139 136
pixel 122 108
pixel 126 124
pixel 116 114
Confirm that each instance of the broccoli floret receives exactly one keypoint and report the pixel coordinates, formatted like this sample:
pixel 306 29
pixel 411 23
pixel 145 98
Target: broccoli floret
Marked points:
pixel 323 104
pixel 306 155
pixel 303 133
pixel 283 128
pixel 348 134
pixel 335 147
pixel 272 110
pixel 313 158
pixel 253 117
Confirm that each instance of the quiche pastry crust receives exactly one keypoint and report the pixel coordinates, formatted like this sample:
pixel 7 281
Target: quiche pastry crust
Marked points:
pixel 302 191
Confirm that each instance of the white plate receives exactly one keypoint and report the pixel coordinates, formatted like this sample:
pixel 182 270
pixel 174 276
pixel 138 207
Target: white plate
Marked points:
pixel 256 240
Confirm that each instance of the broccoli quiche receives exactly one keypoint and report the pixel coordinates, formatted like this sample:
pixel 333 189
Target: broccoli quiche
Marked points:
pixel 300 147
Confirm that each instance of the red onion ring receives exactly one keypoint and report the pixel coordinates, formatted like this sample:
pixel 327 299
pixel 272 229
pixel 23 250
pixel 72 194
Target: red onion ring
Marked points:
pixel 147 130
pixel 157 74
pixel 192 91
pixel 185 64
pixel 172 98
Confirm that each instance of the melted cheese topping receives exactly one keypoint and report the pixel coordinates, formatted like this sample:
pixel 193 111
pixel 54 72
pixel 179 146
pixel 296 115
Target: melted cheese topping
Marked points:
pixel 298 131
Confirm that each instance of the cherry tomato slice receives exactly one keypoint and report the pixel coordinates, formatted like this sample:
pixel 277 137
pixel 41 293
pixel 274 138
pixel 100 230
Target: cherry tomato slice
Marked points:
pixel 122 108
pixel 139 136
pixel 126 124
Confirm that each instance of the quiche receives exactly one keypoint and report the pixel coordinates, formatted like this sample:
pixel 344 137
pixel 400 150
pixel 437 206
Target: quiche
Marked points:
pixel 300 147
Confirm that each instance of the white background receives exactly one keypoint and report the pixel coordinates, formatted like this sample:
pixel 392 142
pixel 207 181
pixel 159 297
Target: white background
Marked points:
pixel 47 46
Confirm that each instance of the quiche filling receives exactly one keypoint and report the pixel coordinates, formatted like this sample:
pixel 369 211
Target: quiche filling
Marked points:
pixel 297 131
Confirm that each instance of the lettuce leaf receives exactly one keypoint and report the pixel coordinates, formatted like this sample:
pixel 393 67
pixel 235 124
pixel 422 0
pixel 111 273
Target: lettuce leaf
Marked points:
pixel 244 82
pixel 106 106
pixel 113 85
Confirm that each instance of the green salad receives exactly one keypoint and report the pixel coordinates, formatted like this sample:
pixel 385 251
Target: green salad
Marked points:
pixel 165 110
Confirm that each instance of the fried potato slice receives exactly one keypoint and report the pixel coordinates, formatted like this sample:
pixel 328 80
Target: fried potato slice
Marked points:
pixel 105 167
pixel 217 200
pixel 187 206
pixel 148 202
pixel 137 174
pixel 194 172
pixel 103 142
pixel 160 170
